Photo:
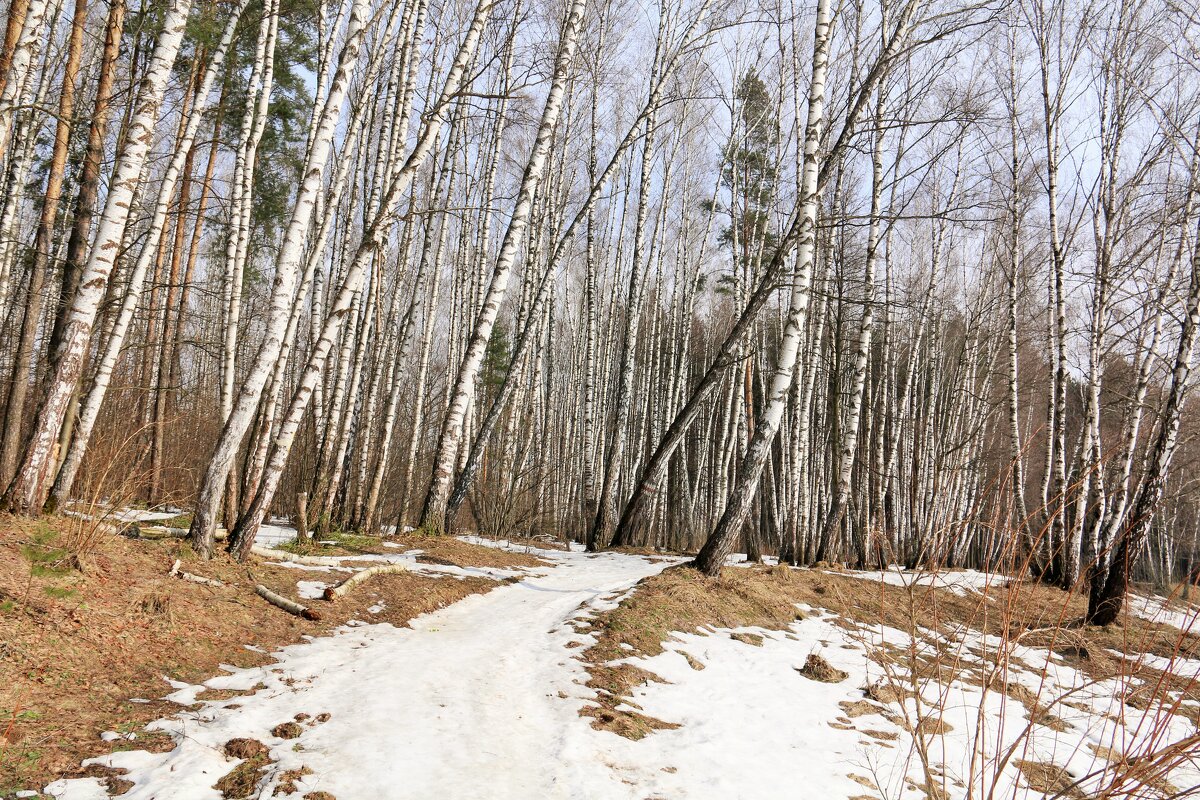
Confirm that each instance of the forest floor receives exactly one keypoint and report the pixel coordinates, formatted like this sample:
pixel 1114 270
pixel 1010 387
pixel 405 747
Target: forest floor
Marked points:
pixel 500 670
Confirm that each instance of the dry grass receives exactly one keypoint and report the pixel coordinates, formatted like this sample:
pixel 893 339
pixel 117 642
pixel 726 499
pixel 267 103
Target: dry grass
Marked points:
pixel 1049 779
pixel 242 780
pixel 79 644
pixel 816 668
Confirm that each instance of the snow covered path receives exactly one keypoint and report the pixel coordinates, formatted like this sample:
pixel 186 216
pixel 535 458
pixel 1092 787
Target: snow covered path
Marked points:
pixel 475 700
pixel 481 699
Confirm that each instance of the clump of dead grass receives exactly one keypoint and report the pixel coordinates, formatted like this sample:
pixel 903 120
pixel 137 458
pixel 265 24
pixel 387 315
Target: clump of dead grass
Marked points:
pixel 816 668
pixel 288 780
pixel 241 781
pixel 677 599
pixel 287 730
pixel 1049 779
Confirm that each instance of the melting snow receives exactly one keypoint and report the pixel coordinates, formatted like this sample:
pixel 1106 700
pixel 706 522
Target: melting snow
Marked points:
pixel 481 699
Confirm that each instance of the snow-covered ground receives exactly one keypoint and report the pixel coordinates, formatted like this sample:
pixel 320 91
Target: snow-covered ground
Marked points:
pixel 464 704
pixel 962 582
pixel 481 700
pixel 1156 610
pixel 749 718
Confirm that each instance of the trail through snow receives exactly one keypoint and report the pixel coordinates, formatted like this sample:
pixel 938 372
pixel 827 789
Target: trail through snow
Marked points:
pixel 466 703
pixel 481 699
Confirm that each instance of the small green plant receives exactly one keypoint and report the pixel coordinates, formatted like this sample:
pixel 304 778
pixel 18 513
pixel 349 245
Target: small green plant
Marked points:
pixel 329 541
pixel 59 592
pixel 181 521
pixel 46 558
pixel 20 715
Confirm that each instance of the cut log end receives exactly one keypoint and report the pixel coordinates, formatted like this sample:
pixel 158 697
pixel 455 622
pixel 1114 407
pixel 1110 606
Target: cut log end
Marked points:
pixel 334 592
pixel 290 606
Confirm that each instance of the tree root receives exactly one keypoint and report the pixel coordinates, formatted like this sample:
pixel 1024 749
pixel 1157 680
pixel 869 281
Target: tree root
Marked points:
pixel 290 606
pixel 334 592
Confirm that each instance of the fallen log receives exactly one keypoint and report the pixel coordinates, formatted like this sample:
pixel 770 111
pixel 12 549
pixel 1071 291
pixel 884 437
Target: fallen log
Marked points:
pixel 334 592
pixel 290 606
pixel 283 555
pixel 153 532
pixel 176 572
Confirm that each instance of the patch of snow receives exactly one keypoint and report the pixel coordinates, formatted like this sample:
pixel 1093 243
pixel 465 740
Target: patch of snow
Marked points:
pixel 104 511
pixel 274 534
pixel 742 560
pixel 409 559
pixel 1186 668
pixel 75 789
pixel 419 698
pixel 961 582
pixel 1154 609
pixel 481 699
pixel 142 515
pixel 311 590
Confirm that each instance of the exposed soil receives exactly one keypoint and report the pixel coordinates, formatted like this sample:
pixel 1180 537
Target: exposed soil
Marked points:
pixel 82 634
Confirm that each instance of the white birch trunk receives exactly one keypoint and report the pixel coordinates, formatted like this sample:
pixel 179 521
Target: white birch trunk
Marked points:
pixel 287 263
pixel 30 488
pixel 90 409
pixel 434 510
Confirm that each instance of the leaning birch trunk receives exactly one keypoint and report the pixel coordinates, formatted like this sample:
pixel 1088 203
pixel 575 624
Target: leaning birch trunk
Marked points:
pixel 16 13
pixel 89 174
pixel 373 238
pixel 1148 347
pixel 28 45
pixel 585 215
pixel 434 511
pixel 274 385
pixel 24 149
pixel 238 242
pixel 602 525
pixel 371 514
pixel 95 397
pixel 15 403
pixel 29 490
pixel 656 465
pixel 1107 596
pixel 720 544
pixel 516 362
pixel 849 443
pixel 286 266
